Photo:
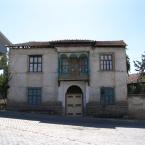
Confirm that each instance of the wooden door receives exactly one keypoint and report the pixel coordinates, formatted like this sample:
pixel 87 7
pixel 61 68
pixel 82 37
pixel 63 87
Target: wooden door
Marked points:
pixel 74 105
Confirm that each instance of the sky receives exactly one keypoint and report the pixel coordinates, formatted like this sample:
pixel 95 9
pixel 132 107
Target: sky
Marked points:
pixel 44 20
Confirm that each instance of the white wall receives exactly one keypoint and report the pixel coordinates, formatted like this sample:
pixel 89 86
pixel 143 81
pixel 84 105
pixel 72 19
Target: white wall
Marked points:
pixel 64 85
pixel 21 78
pixel 136 105
pixel 48 79
pixel 116 78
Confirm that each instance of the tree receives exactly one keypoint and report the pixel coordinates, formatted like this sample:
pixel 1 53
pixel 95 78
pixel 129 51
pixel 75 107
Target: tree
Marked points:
pixel 128 63
pixel 4 77
pixel 140 65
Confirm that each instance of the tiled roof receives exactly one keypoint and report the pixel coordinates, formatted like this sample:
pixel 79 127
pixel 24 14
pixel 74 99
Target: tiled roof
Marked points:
pixel 133 78
pixel 76 42
pixel 111 43
pixel 31 43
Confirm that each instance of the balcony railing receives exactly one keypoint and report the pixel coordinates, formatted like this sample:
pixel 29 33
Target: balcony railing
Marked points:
pixel 74 74
pixel 73 66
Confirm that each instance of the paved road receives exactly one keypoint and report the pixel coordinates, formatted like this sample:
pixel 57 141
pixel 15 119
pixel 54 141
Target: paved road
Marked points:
pixel 31 129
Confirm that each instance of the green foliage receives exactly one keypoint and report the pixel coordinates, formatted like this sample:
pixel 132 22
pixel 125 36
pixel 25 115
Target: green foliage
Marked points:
pixel 4 77
pixel 140 65
pixel 138 88
pixel 128 63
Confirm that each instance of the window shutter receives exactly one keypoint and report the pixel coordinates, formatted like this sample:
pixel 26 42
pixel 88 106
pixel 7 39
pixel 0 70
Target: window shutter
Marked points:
pixel 102 96
pixel 107 96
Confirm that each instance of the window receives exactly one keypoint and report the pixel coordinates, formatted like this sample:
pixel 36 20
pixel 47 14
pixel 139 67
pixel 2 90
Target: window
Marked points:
pixel 34 96
pixel 35 63
pixel 106 62
pixel 74 64
pixel 64 64
pixel 83 60
pixel 107 96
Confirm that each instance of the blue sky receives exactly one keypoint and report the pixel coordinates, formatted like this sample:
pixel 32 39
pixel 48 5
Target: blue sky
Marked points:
pixel 43 20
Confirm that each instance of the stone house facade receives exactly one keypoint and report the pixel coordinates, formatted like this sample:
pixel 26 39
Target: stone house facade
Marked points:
pixel 69 77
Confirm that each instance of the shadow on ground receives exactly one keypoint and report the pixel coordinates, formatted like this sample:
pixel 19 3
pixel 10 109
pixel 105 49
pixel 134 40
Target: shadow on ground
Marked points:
pixel 82 122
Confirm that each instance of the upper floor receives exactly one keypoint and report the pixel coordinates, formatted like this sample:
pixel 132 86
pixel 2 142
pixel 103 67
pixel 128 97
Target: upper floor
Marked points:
pixel 69 59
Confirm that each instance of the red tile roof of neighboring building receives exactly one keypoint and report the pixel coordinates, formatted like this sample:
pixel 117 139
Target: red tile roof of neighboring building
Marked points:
pixel 133 78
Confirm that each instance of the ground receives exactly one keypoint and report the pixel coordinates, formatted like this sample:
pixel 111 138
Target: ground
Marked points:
pixel 34 129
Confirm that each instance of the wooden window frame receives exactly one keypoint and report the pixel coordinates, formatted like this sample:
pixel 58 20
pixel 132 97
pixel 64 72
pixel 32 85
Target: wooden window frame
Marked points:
pixel 83 64
pixel 32 94
pixel 105 97
pixel 106 64
pixel 35 63
pixel 64 65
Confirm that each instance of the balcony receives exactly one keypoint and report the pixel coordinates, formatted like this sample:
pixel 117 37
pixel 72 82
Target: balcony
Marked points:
pixel 74 67
pixel 74 75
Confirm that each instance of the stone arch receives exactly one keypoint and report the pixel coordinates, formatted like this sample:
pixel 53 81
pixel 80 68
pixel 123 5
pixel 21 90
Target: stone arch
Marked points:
pixel 83 55
pixel 74 84
pixel 63 56
pixel 74 89
pixel 74 101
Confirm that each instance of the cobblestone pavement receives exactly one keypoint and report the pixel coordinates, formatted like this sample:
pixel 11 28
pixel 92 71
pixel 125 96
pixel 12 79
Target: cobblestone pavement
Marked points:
pixel 49 131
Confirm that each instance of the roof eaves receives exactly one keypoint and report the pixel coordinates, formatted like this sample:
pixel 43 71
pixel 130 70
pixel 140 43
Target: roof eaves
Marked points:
pixel 119 43
pixel 61 43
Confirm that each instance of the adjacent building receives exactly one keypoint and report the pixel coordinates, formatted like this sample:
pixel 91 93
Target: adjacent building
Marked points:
pixel 69 77
pixel 136 84
pixel 3 41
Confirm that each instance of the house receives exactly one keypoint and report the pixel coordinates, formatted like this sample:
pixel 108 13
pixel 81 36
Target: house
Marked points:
pixel 136 96
pixel 69 77
pixel 136 84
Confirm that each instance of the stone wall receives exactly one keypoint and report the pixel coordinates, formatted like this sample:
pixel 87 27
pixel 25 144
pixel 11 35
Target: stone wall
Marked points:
pixel 22 78
pixel 136 104
pixel 51 107
pixel 119 109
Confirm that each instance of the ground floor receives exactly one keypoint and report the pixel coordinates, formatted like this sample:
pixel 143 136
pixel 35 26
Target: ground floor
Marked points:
pixel 28 129
pixel 70 98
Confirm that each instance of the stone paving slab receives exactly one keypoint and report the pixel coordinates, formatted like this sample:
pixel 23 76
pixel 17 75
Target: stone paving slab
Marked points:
pixel 27 129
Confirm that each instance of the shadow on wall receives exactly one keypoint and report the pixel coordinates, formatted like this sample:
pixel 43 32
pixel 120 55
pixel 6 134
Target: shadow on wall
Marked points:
pixel 82 121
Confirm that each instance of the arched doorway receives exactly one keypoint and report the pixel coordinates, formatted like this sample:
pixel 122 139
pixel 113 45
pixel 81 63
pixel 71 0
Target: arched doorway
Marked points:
pixel 74 101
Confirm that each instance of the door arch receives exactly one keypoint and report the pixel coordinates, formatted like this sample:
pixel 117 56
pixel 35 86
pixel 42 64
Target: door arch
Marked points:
pixel 74 101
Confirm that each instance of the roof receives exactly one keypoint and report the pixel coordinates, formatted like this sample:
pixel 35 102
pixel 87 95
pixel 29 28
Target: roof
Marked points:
pixel 133 78
pixel 3 41
pixel 61 43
